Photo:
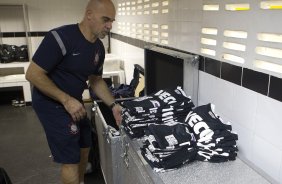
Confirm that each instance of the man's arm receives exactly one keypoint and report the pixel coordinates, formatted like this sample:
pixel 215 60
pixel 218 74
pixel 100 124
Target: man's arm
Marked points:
pixel 38 77
pixel 100 88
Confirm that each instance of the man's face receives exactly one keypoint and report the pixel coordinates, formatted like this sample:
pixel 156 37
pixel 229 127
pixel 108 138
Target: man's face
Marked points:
pixel 101 20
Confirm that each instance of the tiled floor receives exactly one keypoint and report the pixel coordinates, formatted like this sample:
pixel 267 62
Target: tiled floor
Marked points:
pixel 24 152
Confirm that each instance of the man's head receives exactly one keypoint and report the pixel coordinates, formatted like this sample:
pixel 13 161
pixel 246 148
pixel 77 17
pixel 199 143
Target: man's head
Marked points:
pixel 99 17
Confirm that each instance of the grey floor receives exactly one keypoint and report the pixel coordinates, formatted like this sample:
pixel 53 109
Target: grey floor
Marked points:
pixel 24 152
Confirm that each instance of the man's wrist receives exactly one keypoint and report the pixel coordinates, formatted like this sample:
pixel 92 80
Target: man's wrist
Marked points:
pixel 113 105
pixel 65 99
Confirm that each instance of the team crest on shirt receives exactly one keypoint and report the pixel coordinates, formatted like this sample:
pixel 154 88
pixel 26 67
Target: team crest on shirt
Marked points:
pixel 73 128
pixel 96 59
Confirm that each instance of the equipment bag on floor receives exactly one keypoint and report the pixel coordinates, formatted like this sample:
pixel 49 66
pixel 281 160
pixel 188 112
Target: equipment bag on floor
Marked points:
pixel 4 178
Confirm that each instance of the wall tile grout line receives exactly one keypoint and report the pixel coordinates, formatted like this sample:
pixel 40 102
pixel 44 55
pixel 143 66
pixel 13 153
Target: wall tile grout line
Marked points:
pixel 268 87
pixel 22 34
pixel 242 77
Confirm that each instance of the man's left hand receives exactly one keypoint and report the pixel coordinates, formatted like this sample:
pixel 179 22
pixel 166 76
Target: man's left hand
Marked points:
pixel 117 109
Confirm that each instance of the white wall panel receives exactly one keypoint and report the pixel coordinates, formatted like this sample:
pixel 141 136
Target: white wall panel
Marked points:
pixel 268 120
pixel 267 156
pixel 255 117
pixel 244 106
pixel 280 180
pixel 245 141
pixel 133 55
pixel 35 42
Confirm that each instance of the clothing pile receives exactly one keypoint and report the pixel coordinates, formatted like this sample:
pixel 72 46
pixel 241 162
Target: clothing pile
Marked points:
pixel 174 132
pixel 161 107
pixel 215 140
pixel 168 146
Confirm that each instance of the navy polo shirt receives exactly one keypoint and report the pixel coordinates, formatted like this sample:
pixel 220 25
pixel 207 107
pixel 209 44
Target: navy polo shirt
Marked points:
pixel 69 59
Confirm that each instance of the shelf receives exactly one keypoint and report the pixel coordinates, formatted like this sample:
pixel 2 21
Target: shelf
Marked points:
pixel 16 80
pixel 14 64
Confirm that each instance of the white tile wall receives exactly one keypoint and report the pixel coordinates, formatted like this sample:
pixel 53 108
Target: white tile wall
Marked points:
pixel 255 117
pixel 190 5
pixel 245 140
pixel 223 93
pixel 11 19
pixel 244 105
pixel 268 120
pixel 205 93
pixel 15 41
pixel 44 15
pixel 35 41
pixel 185 22
pixel 189 32
pixel 193 15
pixel 267 156
pixel 280 174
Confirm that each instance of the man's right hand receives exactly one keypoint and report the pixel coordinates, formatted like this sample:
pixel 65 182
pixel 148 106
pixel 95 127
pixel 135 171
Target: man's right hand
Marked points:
pixel 75 109
pixel 39 78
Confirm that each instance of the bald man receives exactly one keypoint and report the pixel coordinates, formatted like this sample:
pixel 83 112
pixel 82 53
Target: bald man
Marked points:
pixel 67 57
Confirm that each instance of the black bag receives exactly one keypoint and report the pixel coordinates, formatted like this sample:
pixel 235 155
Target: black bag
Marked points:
pixel 11 53
pixel 4 178
pixel 21 53
pixel 7 53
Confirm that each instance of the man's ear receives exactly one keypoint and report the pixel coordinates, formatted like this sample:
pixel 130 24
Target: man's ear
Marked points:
pixel 89 14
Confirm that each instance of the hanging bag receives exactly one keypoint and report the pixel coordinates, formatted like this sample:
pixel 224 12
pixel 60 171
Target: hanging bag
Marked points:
pixel 4 178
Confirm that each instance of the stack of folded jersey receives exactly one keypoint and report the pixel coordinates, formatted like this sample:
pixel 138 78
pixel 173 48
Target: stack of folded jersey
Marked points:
pixel 168 146
pixel 158 108
pixel 215 140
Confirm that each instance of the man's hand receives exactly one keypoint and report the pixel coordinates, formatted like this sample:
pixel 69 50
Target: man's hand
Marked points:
pixel 75 109
pixel 117 109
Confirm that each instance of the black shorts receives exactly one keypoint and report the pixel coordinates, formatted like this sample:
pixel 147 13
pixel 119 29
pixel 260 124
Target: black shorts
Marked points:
pixel 65 137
